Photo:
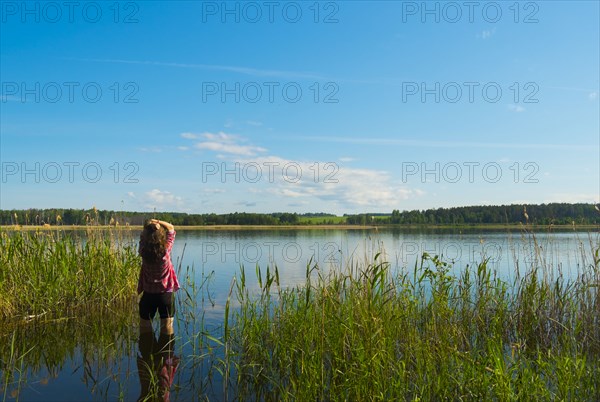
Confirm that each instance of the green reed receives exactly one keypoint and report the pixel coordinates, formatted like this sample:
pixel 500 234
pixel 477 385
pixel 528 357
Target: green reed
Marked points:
pixel 361 332
pixel 58 272
pixel 365 332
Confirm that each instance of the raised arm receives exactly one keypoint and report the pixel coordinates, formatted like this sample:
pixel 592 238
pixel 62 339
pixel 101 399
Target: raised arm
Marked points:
pixel 164 224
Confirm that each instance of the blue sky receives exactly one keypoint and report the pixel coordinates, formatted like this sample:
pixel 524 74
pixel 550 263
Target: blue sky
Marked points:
pixel 339 107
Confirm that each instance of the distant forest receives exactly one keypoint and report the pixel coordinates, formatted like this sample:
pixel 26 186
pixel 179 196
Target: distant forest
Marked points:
pixel 544 214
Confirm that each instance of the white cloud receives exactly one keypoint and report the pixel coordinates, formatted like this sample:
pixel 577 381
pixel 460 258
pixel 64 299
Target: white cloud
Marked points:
pixel 307 182
pixel 485 34
pixel 516 108
pixel 247 203
pixel 162 199
pixel 220 136
pixel 328 182
pixel 347 159
pixel 301 204
pixel 190 136
pixel 183 148
pixel 213 190
pixel 151 149
pixel 254 123
pixel 247 150
pixel 593 96
pixel 291 193
pixel 225 143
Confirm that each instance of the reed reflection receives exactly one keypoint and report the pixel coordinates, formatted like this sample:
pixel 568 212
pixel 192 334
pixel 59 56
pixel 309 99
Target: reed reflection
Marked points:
pixel 157 364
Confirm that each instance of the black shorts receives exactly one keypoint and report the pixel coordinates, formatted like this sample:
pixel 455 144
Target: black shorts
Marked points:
pixel 163 302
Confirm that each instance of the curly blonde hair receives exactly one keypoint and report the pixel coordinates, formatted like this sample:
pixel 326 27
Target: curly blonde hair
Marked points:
pixel 153 242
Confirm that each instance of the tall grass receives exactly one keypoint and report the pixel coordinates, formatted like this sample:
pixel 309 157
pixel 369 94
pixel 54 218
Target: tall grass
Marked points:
pixel 365 333
pixel 59 272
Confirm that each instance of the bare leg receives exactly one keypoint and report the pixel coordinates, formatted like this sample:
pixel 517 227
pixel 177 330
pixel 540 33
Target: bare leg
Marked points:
pixel 145 325
pixel 166 326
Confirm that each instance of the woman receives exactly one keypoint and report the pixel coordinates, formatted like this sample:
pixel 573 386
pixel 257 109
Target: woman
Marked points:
pixel 157 280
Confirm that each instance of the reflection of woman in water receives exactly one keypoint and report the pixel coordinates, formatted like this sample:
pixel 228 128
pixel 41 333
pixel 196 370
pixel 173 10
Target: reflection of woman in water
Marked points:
pixel 156 364
pixel 158 282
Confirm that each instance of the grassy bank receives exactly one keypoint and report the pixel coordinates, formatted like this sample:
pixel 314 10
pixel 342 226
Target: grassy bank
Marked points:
pixel 366 333
pixel 57 273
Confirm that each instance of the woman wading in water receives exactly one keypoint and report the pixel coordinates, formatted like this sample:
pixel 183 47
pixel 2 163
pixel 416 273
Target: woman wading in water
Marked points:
pixel 158 282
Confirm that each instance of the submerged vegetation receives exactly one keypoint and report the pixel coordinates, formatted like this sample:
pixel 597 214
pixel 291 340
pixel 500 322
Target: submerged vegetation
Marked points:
pixel 368 333
pixel 58 272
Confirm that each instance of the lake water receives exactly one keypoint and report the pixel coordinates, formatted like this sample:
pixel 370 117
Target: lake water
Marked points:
pixel 97 358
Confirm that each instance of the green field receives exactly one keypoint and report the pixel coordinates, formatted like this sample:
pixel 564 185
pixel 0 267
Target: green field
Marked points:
pixel 322 220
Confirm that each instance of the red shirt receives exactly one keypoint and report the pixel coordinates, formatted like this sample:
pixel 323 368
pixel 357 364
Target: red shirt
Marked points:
pixel 159 277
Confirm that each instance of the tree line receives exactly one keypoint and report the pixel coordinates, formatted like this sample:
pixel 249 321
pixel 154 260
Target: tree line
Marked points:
pixel 542 214
pixel 93 216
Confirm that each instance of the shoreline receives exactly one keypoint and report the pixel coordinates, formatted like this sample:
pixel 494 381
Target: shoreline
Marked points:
pixel 512 227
